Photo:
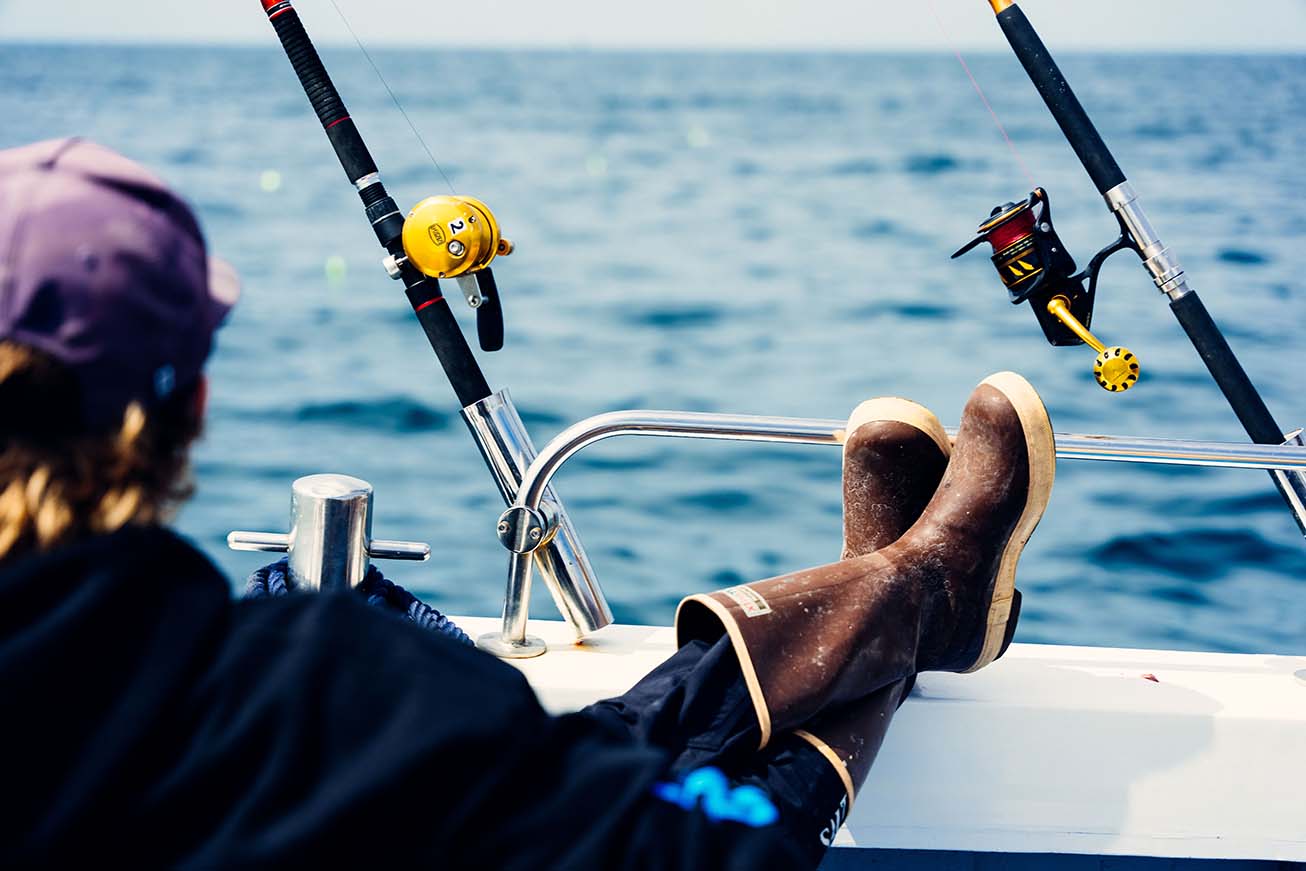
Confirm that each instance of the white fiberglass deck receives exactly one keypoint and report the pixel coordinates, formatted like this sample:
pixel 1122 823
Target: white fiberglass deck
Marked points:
pixel 1053 749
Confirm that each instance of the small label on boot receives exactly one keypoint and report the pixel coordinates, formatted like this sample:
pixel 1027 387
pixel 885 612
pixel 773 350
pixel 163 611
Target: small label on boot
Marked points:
pixel 749 600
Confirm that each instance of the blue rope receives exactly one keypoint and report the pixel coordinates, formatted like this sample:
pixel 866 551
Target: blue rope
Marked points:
pixel 274 580
pixel 269 582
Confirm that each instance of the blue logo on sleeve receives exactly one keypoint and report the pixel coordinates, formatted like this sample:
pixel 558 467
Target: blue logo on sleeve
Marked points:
pixel 708 789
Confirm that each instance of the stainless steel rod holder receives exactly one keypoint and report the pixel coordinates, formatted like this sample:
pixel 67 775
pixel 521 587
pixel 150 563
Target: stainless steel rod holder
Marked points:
pixel 330 540
pixel 528 522
pixel 507 449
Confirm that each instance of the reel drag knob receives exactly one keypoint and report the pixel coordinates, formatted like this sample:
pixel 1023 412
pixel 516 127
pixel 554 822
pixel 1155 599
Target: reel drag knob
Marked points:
pixel 1116 369
pixel 448 236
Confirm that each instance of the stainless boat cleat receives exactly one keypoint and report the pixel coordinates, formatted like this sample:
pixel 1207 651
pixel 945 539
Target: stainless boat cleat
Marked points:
pixel 330 542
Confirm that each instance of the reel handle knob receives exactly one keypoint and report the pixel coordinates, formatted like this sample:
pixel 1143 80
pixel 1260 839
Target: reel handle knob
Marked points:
pixel 1116 368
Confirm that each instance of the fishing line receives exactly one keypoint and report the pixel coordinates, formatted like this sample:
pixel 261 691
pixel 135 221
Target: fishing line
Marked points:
pixel 947 37
pixel 390 91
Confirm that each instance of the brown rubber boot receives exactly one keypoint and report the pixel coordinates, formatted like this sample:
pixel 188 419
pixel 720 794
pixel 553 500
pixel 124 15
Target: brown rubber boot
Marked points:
pixel 939 599
pixel 894 455
pixel 850 737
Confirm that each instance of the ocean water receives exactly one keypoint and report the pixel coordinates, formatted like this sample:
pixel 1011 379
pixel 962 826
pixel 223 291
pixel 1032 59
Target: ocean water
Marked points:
pixel 754 233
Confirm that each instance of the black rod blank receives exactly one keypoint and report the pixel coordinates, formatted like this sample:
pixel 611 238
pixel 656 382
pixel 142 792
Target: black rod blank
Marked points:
pixel 1061 100
pixel 1106 174
pixel 1227 371
pixel 322 94
pixel 423 293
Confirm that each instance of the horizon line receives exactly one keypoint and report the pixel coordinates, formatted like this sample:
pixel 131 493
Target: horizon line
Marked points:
pixel 8 41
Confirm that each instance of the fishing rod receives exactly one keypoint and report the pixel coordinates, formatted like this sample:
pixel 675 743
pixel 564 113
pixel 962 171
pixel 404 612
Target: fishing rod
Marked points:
pixel 1036 267
pixel 454 237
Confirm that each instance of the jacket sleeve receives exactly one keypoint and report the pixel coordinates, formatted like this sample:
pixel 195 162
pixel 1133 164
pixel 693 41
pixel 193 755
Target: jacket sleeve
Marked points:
pixel 607 802
pixel 325 731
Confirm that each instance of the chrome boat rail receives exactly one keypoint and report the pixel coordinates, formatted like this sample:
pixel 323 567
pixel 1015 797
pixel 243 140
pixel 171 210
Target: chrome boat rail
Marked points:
pixel 330 541
pixel 532 523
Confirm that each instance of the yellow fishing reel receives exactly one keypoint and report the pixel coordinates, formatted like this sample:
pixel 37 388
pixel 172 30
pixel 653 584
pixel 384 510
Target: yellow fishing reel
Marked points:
pixel 458 237
pixel 449 236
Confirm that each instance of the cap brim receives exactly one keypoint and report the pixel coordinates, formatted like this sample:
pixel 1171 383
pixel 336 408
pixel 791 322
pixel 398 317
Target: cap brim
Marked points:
pixel 224 289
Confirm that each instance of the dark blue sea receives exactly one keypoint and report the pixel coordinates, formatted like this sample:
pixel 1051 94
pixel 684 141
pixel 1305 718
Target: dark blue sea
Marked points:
pixel 759 233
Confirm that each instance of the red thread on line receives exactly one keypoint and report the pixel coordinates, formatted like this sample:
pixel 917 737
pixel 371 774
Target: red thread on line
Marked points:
pixel 429 302
pixel 987 105
pixel 274 15
pixel 337 121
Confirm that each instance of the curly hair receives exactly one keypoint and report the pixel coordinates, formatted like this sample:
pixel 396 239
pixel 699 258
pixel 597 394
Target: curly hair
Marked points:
pixel 59 483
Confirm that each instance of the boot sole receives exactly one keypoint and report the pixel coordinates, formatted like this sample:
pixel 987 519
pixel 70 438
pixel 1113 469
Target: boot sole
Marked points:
pixel 1041 450
pixel 894 409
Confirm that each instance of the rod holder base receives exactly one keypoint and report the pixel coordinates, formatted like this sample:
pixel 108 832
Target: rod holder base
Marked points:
pixel 497 644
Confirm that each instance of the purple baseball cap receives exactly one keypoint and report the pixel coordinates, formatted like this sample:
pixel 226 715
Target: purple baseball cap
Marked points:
pixel 105 269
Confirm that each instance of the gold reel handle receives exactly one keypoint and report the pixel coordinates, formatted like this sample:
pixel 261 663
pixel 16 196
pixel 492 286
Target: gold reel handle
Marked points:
pixel 1116 368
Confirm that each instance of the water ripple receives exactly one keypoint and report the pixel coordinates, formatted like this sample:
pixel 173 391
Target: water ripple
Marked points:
pixel 1196 554
pixel 397 414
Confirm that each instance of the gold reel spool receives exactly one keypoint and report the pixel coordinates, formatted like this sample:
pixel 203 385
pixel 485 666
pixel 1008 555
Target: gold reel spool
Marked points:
pixel 448 236
pixel 1116 369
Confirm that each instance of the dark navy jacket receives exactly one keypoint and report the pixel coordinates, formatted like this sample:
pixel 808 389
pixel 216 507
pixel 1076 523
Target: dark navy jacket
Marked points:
pixel 149 719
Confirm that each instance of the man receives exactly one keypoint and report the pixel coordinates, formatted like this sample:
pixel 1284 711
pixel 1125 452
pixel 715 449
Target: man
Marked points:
pixel 149 717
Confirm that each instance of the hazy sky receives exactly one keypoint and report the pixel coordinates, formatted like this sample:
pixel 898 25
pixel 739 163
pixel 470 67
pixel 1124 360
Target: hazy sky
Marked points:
pixel 870 24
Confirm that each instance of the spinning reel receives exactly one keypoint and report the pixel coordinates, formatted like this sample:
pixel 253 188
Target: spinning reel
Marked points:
pixel 1036 267
pixel 458 237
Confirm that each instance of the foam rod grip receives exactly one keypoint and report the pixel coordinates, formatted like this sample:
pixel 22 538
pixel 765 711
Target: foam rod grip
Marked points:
pixel 1227 371
pixel 441 329
pixel 1061 100
pixel 322 94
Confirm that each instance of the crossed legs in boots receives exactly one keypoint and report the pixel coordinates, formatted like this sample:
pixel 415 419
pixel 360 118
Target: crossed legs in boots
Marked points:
pixel 818 661
pixel 931 541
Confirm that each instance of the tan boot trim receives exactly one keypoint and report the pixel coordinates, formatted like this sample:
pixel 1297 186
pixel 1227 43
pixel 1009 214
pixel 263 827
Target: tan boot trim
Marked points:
pixel 896 409
pixel 833 758
pixel 741 653
pixel 1042 450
